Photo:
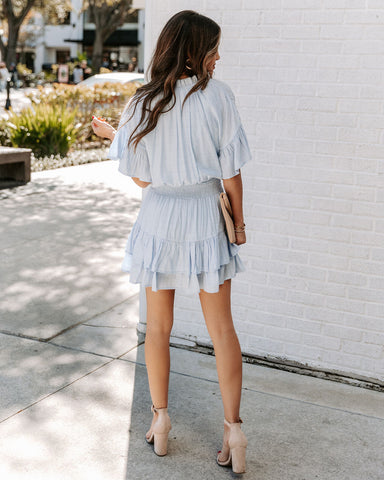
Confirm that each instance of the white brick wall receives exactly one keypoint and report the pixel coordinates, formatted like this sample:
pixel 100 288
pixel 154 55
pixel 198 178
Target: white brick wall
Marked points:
pixel 308 76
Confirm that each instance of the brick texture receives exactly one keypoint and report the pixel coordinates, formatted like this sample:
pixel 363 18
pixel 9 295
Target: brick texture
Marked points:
pixel 308 79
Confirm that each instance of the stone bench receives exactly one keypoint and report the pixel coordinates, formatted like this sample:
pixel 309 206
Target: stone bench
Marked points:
pixel 15 166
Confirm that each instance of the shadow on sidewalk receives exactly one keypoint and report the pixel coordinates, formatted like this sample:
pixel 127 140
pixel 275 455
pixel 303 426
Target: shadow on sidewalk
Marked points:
pixel 196 414
pixel 289 438
pixel 61 248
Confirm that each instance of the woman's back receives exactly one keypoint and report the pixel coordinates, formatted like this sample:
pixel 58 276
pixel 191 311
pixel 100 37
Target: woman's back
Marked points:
pixel 196 140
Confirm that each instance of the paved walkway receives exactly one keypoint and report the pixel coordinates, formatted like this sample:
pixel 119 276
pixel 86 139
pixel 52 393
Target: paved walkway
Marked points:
pixel 18 100
pixel 74 400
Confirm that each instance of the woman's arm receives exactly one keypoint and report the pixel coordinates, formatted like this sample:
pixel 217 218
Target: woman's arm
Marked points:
pixel 102 128
pixel 234 189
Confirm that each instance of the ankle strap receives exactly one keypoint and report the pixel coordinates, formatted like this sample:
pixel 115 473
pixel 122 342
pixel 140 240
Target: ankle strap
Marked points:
pixel 234 423
pixel 155 410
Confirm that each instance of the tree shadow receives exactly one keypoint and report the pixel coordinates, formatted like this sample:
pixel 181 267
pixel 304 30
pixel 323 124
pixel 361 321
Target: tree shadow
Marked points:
pixel 61 248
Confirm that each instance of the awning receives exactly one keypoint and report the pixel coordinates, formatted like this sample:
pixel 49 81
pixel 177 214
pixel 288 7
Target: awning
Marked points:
pixel 118 38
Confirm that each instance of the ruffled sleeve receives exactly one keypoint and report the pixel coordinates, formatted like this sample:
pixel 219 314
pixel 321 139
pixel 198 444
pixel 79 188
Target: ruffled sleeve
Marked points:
pixel 134 163
pixel 234 149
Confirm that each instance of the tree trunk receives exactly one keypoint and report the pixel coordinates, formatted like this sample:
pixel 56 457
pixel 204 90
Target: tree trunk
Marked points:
pixel 13 35
pixel 14 22
pixel 97 54
pixel 3 50
pixel 108 17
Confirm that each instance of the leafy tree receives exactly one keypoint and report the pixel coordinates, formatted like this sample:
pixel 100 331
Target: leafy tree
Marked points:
pixel 54 11
pixel 14 12
pixel 108 16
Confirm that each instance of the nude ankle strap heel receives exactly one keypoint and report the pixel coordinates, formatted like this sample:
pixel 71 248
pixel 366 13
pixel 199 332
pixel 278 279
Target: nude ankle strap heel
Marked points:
pixel 236 446
pixel 158 434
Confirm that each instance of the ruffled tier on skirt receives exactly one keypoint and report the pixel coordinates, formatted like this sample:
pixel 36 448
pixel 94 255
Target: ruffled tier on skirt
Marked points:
pixel 179 240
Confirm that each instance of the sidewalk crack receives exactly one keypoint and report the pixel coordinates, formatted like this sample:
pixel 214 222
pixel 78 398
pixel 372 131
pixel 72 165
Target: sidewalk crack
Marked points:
pixel 111 359
pixel 89 319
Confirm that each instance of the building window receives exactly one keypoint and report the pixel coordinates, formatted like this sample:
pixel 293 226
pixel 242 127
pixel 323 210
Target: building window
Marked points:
pixel 52 18
pixel 63 56
pixel 66 20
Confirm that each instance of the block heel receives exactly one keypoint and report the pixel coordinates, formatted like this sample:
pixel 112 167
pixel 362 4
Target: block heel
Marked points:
pixel 158 433
pixel 160 444
pixel 234 448
pixel 238 459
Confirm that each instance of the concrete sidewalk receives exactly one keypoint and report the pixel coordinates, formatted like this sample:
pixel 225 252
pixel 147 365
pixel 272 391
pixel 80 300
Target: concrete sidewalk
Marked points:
pixel 74 399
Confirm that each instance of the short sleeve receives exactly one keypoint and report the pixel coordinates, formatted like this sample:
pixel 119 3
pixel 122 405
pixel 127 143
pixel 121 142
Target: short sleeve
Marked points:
pixel 234 150
pixel 132 162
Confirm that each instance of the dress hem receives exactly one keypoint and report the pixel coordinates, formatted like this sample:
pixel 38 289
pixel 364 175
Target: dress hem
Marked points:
pixel 188 284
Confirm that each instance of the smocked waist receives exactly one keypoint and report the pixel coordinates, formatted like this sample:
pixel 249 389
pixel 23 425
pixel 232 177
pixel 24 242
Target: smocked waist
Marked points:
pixel 211 187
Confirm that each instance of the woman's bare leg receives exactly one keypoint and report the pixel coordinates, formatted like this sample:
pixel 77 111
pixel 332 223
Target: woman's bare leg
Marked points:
pixel 217 313
pixel 157 358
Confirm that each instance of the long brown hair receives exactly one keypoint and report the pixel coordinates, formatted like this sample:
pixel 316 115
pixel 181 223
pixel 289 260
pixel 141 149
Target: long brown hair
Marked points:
pixel 184 47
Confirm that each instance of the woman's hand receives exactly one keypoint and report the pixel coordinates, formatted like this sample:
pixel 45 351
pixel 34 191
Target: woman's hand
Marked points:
pixel 240 238
pixel 102 129
pixel 140 183
pixel 234 189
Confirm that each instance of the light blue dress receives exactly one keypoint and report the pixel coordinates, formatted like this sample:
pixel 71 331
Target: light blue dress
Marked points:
pixel 179 239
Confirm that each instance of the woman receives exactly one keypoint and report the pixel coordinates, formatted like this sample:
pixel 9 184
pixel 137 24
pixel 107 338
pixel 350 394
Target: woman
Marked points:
pixel 182 135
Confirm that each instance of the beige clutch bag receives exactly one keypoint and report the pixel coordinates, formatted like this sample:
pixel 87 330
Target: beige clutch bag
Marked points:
pixel 227 213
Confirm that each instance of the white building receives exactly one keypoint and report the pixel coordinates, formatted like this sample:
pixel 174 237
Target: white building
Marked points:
pixel 58 43
pixel 308 79
pixel 53 44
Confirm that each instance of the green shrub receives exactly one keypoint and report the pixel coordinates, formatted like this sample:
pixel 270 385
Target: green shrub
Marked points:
pixel 106 100
pixel 5 134
pixel 46 129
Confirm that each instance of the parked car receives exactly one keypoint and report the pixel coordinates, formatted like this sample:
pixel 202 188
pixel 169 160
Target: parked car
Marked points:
pixel 114 77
